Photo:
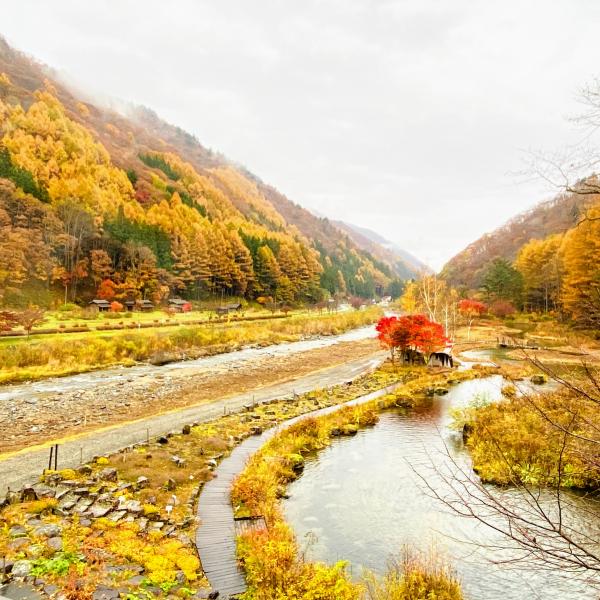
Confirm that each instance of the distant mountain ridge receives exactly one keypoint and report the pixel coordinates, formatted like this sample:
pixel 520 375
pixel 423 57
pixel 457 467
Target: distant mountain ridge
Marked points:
pixel 557 215
pixel 403 263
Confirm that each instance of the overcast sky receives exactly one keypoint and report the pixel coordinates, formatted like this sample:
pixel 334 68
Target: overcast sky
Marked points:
pixel 407 117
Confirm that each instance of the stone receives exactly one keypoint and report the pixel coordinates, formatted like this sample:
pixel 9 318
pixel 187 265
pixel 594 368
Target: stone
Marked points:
pixel 256 430
pixel 105 593
pixel 82 506
pixel 35 522
pixel 85 522
pixel 18 590
pixel 186 430
pixel 211 462
pixel 81 491
pixel 49 531
pixel 135 581
pixel 538 379
pixel 108 474
pixel 133 506
pixel 17 531
pixel 99 510
pixel 18 544
pixel 55 543
pixel 61 491
pixel 162 440
pixel 84 470
pixel 142 482
pixel 21 568
pixel 68 499
pixel 117 515
pixel 170 484
pixel 50 589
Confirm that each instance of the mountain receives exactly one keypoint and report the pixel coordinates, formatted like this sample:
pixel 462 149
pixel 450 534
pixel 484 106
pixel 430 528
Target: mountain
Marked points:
pixel 119 203
pixel 555 216
pixel 402 263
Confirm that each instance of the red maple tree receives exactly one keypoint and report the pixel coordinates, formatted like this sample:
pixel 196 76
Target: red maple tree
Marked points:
pixel 411 334
pixel 385 328
pixel 106 290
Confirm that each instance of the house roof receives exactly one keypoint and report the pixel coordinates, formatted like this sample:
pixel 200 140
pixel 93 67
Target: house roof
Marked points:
pixel 178 301
pixel 230 306
pixel 100 302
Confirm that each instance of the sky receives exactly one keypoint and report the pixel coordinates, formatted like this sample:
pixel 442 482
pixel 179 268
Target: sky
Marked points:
pixel 414 118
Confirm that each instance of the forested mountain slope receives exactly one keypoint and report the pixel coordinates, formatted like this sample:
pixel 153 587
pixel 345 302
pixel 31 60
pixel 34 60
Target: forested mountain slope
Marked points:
pixel 93 202
pixel 467 269
pixel 404 264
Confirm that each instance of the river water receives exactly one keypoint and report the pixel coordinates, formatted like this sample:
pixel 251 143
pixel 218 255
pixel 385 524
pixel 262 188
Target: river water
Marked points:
pixel 362 500
pixel 86 381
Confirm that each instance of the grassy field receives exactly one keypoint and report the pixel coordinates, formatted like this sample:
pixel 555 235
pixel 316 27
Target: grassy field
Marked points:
pixel 46 356
pixel 100 323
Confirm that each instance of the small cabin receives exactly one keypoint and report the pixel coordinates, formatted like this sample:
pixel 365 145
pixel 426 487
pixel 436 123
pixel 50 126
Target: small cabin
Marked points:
pixel 228 308
pixel 146 306
pixel 179 305
pixel 100 305
pixel 129 305
pixel 441 359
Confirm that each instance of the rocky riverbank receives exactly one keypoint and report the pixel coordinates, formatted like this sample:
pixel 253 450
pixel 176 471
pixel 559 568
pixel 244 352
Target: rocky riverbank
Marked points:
pixel 25 421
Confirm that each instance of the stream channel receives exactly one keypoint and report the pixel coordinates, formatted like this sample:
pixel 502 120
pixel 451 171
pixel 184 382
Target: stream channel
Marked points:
pixel 361 500
pixel 92 379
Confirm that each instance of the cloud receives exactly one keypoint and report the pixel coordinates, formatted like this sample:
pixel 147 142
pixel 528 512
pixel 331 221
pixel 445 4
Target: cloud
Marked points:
pixel 408 116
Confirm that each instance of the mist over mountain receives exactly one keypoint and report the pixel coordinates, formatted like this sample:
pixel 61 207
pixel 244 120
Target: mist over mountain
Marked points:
pixel 156 212
pixel 403 263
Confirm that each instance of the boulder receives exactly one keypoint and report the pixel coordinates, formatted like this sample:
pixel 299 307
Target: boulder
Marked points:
pixel 44 491
pixel 187 429
pixel 17 531
pixel 142 482
pixel 99 510
pixel 21 568
pixel 108 474
pixel 49 530
pixel 55 543
pixel 105 593
pixel 538 379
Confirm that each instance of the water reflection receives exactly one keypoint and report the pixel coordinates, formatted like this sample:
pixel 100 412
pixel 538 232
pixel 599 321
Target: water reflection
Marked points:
pixel 361 500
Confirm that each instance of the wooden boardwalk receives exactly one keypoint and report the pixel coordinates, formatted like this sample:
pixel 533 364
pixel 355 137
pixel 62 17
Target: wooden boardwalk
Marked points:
pixel 216 535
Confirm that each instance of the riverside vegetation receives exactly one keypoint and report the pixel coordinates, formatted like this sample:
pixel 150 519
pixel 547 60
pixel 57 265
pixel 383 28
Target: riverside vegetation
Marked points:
pixel 40 358
pixel 125 523
pixel 546 440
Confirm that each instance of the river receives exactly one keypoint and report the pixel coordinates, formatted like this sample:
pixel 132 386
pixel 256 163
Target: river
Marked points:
pixel 361 500
pixel 95 379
